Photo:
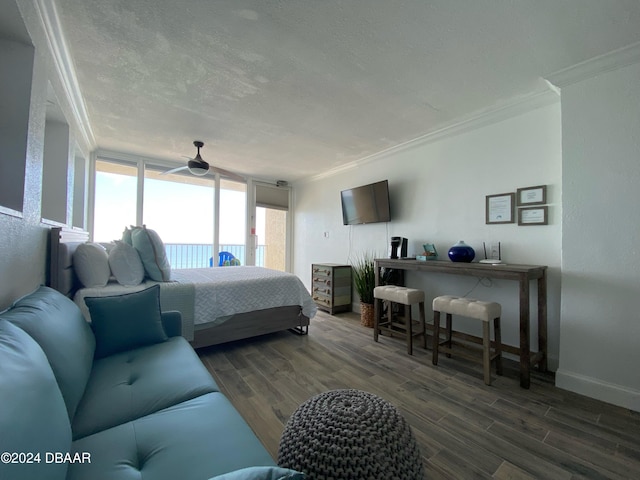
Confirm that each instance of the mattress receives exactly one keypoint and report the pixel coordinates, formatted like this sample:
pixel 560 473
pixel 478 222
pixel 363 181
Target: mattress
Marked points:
pixel 221 292
pixel 210 296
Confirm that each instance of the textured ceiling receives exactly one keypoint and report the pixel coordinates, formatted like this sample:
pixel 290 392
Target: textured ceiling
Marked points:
pixel 288 89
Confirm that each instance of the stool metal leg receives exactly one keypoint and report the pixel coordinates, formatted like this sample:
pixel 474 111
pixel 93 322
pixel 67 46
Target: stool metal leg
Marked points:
pixel 436 337
pixel 449 330
pixel 423 321
pixel 498 349
pixel 389 318
pixel 486 352
pixel 409 328
pixel 376 318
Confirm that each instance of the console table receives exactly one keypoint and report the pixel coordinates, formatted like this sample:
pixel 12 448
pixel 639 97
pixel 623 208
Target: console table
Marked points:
pixel 523 274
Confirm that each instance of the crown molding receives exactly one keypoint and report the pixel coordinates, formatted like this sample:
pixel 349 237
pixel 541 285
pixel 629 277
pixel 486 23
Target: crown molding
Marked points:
pixel 594 66
pixel 471 122
pixel 63 64
pixel 132 158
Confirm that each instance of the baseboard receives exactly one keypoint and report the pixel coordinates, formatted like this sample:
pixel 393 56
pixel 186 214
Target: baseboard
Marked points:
pixel 595 388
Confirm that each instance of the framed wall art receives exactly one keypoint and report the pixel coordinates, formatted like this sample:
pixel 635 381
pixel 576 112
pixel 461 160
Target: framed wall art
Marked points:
pixel 533 216
pixel 532 195
pixel 499 208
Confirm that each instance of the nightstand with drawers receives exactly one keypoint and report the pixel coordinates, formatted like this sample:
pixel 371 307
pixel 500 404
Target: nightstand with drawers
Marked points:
pixel 331 287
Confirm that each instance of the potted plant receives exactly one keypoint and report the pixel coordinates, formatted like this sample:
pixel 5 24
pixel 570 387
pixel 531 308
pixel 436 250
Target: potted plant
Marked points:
pixel 364 279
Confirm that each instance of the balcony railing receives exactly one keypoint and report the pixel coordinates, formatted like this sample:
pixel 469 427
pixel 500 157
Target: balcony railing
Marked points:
pixel 197 255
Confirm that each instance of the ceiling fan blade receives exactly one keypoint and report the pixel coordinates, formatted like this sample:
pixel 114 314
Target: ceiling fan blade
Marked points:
pixel 228 174
pixel 174 170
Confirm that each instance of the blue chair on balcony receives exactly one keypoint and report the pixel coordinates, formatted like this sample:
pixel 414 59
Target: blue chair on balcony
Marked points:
pixel 225 259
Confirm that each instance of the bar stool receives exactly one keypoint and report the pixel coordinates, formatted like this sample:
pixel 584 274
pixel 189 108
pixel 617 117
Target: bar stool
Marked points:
pixel 399 325
pixel 468 307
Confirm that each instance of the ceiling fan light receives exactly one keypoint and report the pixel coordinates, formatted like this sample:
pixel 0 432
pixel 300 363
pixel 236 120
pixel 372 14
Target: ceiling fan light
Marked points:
pixel 197 168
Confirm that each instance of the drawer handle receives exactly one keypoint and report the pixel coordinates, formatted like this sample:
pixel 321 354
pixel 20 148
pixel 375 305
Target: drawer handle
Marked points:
pixel 322 301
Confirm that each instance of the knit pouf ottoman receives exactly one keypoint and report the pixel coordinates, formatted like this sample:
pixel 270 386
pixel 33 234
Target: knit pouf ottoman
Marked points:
pixel 350 434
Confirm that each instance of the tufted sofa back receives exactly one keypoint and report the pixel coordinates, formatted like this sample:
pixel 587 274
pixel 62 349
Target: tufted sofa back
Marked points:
pixel 33 414
pixel 57 325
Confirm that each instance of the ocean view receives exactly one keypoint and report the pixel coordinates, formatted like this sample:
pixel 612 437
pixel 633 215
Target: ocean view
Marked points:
pixel 195 255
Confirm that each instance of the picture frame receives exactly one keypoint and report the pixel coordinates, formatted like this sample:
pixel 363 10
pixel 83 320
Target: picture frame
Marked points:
pixel 499 208
pixel 532 195
pixel 533 216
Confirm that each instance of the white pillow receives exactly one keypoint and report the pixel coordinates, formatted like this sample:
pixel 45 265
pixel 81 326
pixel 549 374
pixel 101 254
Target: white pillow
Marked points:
pixel 91 264
pixel 125 264
pixel 152 253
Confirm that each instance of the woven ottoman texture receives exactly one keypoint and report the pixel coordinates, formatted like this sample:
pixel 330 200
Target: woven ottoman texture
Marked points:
pixel 350 434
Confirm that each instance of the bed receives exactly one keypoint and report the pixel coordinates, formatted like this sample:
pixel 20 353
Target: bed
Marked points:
pixel 218 305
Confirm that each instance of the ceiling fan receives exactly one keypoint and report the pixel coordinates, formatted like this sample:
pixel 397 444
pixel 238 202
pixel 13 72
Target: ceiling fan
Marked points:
pixel 197 166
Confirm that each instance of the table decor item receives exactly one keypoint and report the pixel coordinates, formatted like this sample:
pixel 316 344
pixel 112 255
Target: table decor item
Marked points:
pixel 461 252
pixel 429 253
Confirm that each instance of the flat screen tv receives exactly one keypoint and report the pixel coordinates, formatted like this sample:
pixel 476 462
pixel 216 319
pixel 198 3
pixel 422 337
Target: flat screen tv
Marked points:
pixel 366 204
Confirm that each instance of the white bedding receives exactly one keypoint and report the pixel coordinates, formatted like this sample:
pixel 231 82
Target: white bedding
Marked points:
pixel 220 292
pixel 211 295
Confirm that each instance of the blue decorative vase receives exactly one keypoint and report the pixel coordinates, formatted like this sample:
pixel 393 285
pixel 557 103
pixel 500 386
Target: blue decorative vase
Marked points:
pixel 461 252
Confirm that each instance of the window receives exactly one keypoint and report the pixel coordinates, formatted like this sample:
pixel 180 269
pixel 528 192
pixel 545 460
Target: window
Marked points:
pixel 179 207
pixel 115 199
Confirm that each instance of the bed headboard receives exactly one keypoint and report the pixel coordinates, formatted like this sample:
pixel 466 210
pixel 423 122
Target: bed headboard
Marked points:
pixel 63 242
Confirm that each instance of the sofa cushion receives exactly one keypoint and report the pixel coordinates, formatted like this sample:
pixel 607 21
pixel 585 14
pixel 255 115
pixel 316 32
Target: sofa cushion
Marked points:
pixel 57 325
pixel 135 383
pixel 33 415
pixel 128 321
pixel 196 439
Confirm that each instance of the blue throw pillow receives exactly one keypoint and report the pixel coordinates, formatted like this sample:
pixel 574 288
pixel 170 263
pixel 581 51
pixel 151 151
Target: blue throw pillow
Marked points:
pixel 125 322
pixel 261 473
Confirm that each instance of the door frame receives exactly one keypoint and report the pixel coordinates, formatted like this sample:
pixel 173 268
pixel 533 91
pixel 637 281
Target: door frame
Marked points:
pixel 251 221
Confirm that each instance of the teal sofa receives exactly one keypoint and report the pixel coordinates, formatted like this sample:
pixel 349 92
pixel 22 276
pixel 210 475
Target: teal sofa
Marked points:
pixel 72 406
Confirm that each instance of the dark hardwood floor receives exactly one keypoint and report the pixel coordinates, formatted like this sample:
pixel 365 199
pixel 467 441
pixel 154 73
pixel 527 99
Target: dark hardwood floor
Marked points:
pixel 465 429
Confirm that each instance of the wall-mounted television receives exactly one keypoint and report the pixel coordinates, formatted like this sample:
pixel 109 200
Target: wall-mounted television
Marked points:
pixel 366 204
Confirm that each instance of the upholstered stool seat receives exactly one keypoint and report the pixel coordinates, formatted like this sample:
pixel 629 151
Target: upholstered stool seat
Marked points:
pixel 470 308
pixel 350 435
pixel 396 324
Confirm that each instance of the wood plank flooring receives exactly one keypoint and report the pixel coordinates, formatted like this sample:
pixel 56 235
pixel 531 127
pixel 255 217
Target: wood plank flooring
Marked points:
pixel 464 428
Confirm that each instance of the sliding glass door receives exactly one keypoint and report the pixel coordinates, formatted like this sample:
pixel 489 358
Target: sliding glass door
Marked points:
pixel 203 221
pixel 232 226
pixel 179 207
pixel 199 219
pixel 271 233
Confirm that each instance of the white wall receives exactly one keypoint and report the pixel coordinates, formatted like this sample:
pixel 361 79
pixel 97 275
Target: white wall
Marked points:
pixel 23 237
pixel 437 192
pixel 600 328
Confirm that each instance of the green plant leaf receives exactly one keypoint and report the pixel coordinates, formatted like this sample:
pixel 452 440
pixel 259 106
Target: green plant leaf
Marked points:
pixel 364 276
